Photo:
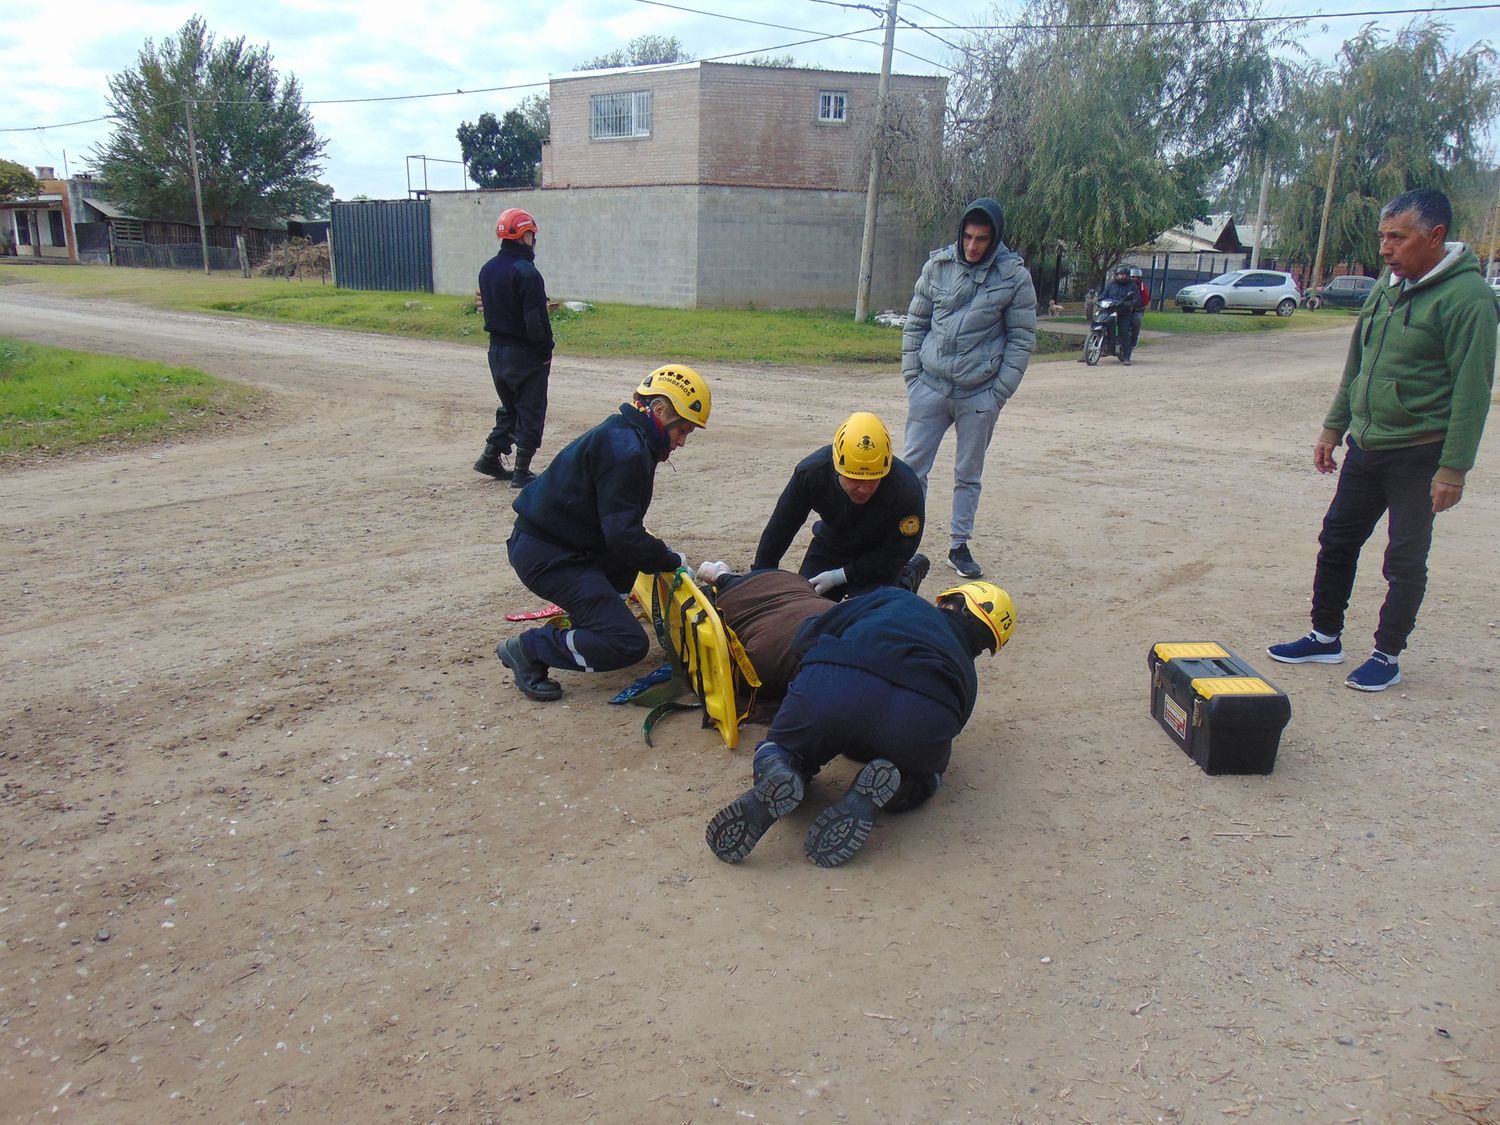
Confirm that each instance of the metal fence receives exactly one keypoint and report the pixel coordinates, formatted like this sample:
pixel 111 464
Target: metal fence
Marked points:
pixel 383 244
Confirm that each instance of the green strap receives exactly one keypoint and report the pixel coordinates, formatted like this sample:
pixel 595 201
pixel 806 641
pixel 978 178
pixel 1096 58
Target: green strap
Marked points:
pixel 663 709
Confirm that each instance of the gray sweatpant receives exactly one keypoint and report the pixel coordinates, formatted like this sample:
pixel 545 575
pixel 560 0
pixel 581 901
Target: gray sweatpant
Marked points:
pixel 929 413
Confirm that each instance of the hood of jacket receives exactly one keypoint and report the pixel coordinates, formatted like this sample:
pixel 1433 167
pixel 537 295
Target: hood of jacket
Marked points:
pixel 984 210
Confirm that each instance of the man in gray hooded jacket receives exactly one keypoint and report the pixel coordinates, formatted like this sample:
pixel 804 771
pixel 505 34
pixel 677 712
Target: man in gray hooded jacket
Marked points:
pixel 969 334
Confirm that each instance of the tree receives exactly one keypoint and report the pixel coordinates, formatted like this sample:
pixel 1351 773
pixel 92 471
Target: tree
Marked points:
pixel 1098 124
pixel 1409 113
pixel 643 50
pixel 507 153
pixel 16 182
pixel 258 153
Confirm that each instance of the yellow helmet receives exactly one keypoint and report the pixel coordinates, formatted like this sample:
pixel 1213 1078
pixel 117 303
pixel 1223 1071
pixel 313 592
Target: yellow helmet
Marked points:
pixel 990 604
pixel 862 447
pixel 684 388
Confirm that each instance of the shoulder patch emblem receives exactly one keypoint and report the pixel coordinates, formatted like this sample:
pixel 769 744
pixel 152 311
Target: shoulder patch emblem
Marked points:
pixel 911 525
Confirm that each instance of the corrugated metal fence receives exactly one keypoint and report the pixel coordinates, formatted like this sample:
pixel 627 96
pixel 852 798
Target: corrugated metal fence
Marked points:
pixel 383 244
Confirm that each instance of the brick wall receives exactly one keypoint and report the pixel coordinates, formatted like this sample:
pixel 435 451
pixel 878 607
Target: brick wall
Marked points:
pixel 668 156
pixel 719 123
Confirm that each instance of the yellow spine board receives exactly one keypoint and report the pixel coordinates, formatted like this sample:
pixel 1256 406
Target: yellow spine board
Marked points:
pixel 691 629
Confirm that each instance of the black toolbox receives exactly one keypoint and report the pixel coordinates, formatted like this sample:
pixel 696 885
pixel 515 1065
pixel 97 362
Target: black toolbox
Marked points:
pixel 1216 707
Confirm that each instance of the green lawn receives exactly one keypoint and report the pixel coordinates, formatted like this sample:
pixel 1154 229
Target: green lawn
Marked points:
pixel 793 337
pixel 53 400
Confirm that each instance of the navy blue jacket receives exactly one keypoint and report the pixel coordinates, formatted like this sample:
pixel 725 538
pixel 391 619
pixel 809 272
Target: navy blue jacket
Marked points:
pixel 592 497
pixel 901 638
pixel 877 538
pixel 515 299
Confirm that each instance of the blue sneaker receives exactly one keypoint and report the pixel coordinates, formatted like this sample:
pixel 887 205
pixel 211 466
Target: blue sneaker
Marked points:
pixel 1308 650
pixel 1375 674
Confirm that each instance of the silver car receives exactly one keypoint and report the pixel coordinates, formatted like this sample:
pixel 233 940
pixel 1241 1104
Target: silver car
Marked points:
pixel 1260 291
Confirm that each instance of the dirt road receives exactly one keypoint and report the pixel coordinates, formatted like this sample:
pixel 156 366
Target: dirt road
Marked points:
pixel 282 842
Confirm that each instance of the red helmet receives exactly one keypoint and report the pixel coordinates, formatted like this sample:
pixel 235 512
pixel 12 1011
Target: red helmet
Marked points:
pixel 513 223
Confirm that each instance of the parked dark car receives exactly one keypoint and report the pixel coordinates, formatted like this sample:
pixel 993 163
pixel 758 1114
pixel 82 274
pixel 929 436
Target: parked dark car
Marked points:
pixel 1347 292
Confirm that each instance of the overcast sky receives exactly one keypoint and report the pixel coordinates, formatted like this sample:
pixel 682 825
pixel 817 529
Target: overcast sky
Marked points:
pixel 56 61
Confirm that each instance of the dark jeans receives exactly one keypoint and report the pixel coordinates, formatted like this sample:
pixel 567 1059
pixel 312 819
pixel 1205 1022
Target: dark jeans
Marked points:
pixel 520 376
pixel 604 634
pixel 1370 484
pixel 1135 327
pixel 831 709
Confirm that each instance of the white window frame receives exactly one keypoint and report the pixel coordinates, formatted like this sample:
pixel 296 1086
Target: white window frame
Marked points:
pixel 620 116
pixel 833 107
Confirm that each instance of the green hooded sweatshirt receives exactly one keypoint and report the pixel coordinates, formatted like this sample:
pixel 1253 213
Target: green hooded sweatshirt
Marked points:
pixel 1421 365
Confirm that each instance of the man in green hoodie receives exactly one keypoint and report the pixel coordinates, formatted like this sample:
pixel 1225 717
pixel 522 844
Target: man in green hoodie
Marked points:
pixel 1412 402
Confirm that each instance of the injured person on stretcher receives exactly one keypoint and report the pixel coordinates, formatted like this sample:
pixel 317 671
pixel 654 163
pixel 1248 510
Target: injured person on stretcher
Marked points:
pixel 886 679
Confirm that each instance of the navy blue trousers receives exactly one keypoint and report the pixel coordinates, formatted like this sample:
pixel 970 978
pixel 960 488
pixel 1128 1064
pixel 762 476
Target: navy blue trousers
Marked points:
pixel 604 635
pixel 1371 483
pixel 520 376
pixel 831 709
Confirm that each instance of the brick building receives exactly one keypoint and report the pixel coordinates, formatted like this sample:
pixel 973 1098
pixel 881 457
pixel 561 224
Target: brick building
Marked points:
pixel 703 185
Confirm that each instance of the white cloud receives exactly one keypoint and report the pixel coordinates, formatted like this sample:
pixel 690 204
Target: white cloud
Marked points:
pixel 339 49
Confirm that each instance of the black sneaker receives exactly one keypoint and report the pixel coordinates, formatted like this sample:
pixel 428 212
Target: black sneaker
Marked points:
pixel 737 827
pixel 842 829
pixel 531 675
pixel 963 562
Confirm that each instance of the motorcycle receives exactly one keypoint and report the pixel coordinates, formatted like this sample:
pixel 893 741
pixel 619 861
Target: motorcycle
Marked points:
pixel 1105 330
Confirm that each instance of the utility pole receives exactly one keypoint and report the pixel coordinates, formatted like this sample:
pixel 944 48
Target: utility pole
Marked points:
pixel 1260 214
pixel 1333 163
pixel 872 193
pixel 1489 265
pixel 197 186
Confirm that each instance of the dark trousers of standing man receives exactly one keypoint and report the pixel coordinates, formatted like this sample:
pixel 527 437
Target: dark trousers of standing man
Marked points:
pixel 520 375
pixel 1370 484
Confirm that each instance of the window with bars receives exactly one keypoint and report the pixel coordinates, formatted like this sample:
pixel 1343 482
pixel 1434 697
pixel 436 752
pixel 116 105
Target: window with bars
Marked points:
pixel 833 107
pixel 620 115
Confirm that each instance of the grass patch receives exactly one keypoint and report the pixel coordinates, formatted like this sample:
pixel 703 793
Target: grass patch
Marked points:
pixel 53 400
pixel 808 337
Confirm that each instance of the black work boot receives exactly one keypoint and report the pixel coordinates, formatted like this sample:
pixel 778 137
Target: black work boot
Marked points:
pixel 913 572
pixel 490 462
pixel 522 475
pixel 531 675
pixel 737 827
pixel 842 829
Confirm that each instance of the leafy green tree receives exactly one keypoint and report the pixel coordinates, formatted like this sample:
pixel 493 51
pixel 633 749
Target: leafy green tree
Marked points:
pixel 258 153
pixel 643 50
pixel 507 153
pixel 17 182
pixel 1096 123
pixel 1409 112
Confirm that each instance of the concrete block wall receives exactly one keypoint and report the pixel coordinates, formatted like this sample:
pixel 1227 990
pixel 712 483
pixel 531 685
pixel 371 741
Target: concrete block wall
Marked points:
pixel 687 246
pixel 668 156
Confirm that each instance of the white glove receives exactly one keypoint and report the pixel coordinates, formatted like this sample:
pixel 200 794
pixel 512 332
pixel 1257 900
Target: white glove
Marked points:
pixel 682 560
pixel 828 580
pixel 712 571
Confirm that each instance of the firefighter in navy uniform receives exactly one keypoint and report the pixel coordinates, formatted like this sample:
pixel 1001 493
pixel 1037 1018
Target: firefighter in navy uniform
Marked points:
pixel 579 539
pixel 871 511
pixel 515 315
pixel 886 679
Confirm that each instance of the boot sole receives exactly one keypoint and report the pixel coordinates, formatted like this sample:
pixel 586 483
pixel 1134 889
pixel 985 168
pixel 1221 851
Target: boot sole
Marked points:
pixel 841 830
pixel 737 827
pixel 551 692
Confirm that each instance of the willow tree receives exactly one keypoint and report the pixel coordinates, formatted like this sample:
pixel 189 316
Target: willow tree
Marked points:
pixel 1097 123
pixel 1409 112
